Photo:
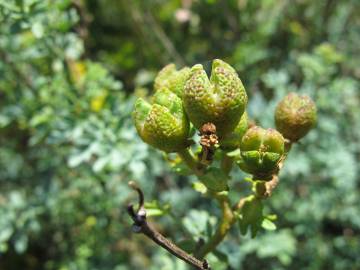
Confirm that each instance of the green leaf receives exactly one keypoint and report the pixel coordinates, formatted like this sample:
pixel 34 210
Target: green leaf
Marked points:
pixel 272 217
pixel 199 187
pixel 181 169
pixel 215 180
pixel 217 262
pixel 235 153
pixel 21 243
pixel 199 224
pixel 5 233
pixel 178 166
pixel 251 216
pixel 268 225
pixel 37 29
pixel 154 208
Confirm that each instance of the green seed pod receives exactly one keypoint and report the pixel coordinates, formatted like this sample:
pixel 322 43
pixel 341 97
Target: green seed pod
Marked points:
pixel 295 115
pixel 163 76
pixel 220 100
pixel 261 151
pixel 232 140
pixel 163 124
pixel 172 79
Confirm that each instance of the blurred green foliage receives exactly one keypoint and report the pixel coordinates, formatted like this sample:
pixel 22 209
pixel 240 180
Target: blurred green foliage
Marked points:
pixel 69 71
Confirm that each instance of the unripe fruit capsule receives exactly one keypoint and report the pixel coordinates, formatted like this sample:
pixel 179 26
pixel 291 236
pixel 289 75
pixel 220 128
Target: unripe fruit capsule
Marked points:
pixel 261 151
pixel 220 100
pixel 163 124
pixel 295 115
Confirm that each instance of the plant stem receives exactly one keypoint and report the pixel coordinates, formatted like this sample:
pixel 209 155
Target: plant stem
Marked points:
pixel 162 241
pixel 228 217
pixel 226 163
pixel 227 220
pixel 142 226
pixel 272 184
pixel 191 161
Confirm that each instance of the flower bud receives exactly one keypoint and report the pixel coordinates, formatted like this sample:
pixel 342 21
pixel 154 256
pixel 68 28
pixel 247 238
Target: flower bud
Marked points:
pixel 295 115
pixel 172 79
pixel 232 140
pixel 261 151
pixel 163 124
pixel 220 100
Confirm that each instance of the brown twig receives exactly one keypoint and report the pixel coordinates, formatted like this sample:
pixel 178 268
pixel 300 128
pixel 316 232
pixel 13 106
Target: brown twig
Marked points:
pixel 271 185
pixel 82 27
pixel 142 226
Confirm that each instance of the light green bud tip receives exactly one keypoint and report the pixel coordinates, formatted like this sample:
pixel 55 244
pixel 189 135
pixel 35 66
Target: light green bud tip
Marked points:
pixel 295 115
pixel 163 124
pixel 232 140
pixel 261 151
pixel 172 79
pixel 220 100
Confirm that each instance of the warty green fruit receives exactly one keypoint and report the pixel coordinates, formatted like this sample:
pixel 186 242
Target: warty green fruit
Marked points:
pixel 295 116
pixel 163 124
pixel 261 150
pixel 172 79
pixel 232 140
pixel 220 100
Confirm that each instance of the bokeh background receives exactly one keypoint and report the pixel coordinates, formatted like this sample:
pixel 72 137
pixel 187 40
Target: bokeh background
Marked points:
pixel 69 73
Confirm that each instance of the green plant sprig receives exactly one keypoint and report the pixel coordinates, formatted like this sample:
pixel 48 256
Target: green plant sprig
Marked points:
pixel 216 107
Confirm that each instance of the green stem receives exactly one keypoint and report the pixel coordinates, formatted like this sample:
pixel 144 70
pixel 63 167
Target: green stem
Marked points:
pixel 228 217
pixel 227 220
pixel 226 163
pixel 191 161
pixel 271 184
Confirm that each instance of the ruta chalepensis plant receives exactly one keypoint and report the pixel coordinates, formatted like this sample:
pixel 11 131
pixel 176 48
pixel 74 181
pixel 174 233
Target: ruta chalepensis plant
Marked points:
pixel 187 100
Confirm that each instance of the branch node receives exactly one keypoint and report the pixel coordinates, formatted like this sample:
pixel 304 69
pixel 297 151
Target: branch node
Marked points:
pixel 206 265
pixel 136 228
pixel 142 226
pixel 135 187
pixel 131 211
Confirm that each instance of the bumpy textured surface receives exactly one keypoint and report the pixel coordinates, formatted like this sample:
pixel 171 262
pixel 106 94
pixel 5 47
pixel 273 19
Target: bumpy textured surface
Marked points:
pixel 295 115
pixel 163 75
pixel 232 140
pixel 172 79
pixel 220 100
pixel 261 151
pixel 163 124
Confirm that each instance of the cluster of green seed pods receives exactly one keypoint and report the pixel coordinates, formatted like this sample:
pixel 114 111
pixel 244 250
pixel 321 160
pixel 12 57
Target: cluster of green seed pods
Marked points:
pixel 188 97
